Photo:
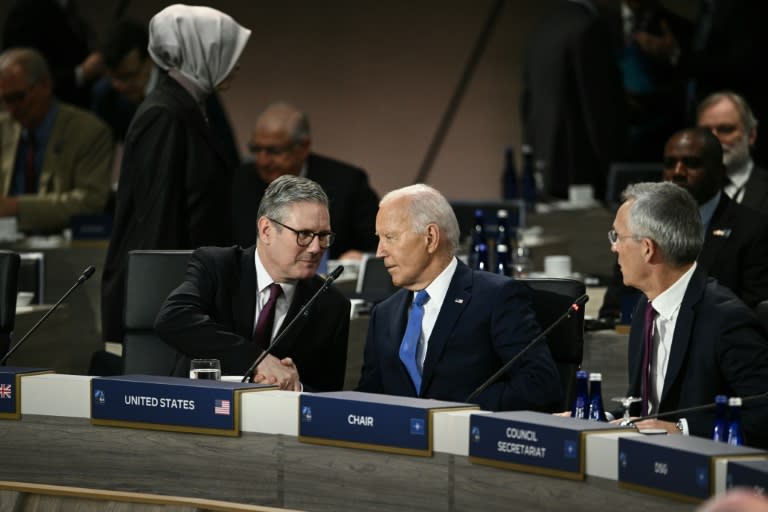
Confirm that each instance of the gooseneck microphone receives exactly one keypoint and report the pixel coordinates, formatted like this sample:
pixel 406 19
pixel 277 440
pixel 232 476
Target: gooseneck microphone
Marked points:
pixel 695 408
pixel 575 306
pixel 302 312
pixel 87 273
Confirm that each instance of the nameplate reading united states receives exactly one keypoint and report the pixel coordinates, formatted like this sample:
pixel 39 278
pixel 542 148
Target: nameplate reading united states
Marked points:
pixel 532 442
pixel 169 403
pixel 371 421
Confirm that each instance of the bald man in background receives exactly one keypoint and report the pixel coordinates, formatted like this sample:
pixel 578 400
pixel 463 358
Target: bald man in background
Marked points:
pixel 280 145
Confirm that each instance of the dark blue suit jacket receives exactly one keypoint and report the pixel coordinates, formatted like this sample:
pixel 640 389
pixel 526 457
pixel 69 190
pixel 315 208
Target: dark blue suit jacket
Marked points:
pixel 484 321
pixel 718 347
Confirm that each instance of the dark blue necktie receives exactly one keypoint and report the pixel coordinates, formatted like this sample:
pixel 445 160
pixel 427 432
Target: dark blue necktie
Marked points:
pixel 410 344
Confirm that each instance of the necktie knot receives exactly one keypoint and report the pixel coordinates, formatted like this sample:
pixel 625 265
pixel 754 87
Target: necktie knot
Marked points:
pixel 422 297
pixel 274 292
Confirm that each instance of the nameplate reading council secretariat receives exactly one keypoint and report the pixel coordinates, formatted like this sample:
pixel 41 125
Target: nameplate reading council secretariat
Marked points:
pixel 169 403
pixel 371 421
pixel 10 389
pixel 748 473
pixel 675 466
pixel 532 442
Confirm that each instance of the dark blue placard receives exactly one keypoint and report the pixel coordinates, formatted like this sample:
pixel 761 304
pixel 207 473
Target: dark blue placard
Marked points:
pixel 9 390
pixel 748 473
pixel 366 420
pixel 152 401
pixel 679 466
pixel 532 441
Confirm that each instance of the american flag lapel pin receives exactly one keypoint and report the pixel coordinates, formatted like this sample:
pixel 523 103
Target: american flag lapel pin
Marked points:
pixel 458 301
pixel 725 233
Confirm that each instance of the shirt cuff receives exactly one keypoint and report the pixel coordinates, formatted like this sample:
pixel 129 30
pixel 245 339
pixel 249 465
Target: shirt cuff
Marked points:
pixel 682 425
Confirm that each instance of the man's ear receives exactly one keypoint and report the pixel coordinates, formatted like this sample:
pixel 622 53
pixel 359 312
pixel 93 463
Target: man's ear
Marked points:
pixel 433 235
pixel 265 230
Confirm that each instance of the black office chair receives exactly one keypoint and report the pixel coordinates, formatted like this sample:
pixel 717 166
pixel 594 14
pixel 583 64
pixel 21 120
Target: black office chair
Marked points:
pixel 9 287
pixel 622 174
pixel 551 298
pixel 151 277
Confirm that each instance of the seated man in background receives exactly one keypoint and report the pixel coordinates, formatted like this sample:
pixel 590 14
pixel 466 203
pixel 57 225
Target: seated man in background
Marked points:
pixel 280 144
pixel 54 157
pixel 131 75
pixel 234 301
pixel 735 249
pixel 473 322
pixel 691 338
pixel 731 120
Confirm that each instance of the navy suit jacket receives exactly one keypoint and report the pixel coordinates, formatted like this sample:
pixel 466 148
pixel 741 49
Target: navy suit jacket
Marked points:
pixel 211 314
pixel 718 347
pixel 756 191
pixel 483 322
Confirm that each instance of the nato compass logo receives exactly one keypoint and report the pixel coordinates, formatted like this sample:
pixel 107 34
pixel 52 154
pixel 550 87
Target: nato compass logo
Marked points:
pixel 702 478
pixel 99 397
pixel 306 413
pixel 475 434
pixel 623 460
pixel 569 449
pixel 417 427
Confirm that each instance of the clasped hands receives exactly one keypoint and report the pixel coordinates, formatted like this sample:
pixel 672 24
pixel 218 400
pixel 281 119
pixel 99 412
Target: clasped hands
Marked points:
pixel 282 372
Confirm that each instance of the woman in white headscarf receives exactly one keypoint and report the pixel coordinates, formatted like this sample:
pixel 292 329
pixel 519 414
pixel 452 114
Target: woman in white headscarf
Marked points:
pixel 174 188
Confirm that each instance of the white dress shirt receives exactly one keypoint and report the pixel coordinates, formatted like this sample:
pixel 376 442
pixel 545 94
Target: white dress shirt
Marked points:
pixel 437 290
pixel 737 179
pixel 263 280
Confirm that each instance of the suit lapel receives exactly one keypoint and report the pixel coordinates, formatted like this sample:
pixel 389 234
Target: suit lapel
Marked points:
pixel 303 293
pixel 395 331
pixel 54 148
pixel 718 231
pixel 245 299
pixel 456 299
pixel 10 132
pixel 681 338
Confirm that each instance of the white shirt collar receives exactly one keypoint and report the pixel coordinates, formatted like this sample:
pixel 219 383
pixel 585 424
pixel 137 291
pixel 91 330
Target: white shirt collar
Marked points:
pixel 263 280
pixel 667 303
pixel 740 175
pixel 438 288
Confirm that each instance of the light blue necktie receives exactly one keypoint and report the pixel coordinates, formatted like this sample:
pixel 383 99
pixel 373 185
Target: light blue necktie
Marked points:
pixel 409 346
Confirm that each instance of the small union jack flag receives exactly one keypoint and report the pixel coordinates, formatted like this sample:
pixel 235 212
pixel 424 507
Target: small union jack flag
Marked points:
pixel 5 390
pixel 221 407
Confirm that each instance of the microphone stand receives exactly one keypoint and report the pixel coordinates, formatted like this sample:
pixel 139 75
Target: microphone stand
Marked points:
pixel 571 309
pixel 303 311
pixel 87 273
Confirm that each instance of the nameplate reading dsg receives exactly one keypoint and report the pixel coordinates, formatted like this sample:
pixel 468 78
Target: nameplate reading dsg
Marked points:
pixel 169 403
pixel 371 421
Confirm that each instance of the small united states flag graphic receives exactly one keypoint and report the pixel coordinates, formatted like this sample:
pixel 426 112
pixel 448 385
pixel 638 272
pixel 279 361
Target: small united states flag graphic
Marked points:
pixel 221 407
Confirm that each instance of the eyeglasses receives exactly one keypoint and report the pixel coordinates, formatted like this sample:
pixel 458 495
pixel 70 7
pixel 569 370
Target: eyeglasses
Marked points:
pixel 690 162
pixel 270 150
pixel 304 237
pixel 723 129
pixel 614 237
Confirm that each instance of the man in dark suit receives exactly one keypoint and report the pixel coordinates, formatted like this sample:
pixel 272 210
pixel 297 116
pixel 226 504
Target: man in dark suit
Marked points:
pixel 215 310
pixel 175 181
pixel 735 249
pixel 729 117
pixel 473 322
pixel 280 144
pixel 691 339
pixel 572 101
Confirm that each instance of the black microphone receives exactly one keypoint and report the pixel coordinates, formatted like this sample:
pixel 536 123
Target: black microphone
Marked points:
pixel 302 312
pixel 695 408
pixel 575 306
pixel 87 273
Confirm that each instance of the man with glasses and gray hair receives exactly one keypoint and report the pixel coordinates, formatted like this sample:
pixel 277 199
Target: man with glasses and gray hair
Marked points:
pixel 281 144
pixel 234 301
pixel 691 338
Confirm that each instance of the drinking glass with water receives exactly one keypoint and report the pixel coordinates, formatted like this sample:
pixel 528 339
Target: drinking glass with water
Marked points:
pixel 207 369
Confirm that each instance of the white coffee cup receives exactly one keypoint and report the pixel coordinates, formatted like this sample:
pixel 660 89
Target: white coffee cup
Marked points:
pixel 557 265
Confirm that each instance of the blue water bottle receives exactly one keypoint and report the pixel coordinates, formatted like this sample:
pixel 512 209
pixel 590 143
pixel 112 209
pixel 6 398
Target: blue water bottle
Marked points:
pixel 509 184
pixel 528 185
pixel 580 404
pixel 720 428
pixel 735 435
pixel 596 411
pixel 502 247
pixel 479 254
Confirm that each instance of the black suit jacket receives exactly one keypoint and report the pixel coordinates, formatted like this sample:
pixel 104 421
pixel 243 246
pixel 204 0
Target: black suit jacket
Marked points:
pixel 735 252
pixel 572 101
pixel 718 347
pixel 211 314
pixel 484 321
pixel 756 191
pixel 173 193
pixel 353 203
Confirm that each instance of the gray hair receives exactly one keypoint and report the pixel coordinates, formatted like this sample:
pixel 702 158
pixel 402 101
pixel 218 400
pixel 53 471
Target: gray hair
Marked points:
pixel 287 117
pixel 668 215
pixel 31 62
pixel 745 112
pixel 286 191
pixel 428 206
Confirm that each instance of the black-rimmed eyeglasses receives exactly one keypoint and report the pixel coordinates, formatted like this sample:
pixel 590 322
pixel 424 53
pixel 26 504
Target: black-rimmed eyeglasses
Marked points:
pixel 304 237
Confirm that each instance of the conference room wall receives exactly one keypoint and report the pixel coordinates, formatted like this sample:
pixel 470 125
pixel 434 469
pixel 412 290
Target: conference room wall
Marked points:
pixel 376 77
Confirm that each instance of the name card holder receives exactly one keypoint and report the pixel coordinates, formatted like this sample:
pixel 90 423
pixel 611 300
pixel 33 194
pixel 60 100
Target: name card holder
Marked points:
pixel 371 421
pixel 752 474
pixel 10 389
pixel 679 467
pixel 533 442
pixel 169 403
